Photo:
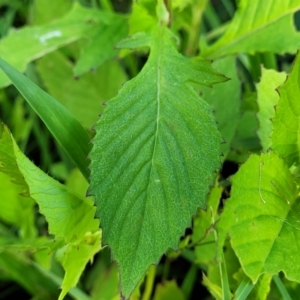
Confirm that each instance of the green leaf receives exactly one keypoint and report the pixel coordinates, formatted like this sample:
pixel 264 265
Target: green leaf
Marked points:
pixel 252 23
pixel 37 41
pixel 74 257
pixel 107 36
pixel 105 285
pixel 63 126
pixel 285 136
pixel 168 290
pixel 69 215
pixel 43 13
pixel 155 127
pixel 267 98
pixel 225 100
pixel 82 96
pixel 214 289
pixel 14 208
pixel 261 288
pixel 245 138
pixel 261 218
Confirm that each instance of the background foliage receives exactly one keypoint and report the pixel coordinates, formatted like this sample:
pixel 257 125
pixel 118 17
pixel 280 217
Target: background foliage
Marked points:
pixel 189 180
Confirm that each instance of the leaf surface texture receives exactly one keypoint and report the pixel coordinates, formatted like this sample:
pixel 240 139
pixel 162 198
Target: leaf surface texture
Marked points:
pixel 155 152
pixel 262 218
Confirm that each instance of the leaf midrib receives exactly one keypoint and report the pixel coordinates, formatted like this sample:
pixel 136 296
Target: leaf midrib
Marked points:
pixel 158 50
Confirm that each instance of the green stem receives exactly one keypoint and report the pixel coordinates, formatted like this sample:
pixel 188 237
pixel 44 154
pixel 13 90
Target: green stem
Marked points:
pixel 106 5
pixel 222 268
pixel 194 32
pixel 149 283
pixel 269 60
pixel 255 70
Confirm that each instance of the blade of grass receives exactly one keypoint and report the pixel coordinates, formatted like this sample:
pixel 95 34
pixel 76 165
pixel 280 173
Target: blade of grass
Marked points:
pixel 244 289
pixel 283 291
pixel 189 281
pixel 211 16
pixel 222 267
pixel 228 5
pixel 63 126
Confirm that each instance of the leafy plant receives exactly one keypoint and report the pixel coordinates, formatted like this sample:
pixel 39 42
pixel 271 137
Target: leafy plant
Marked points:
pixel 151 179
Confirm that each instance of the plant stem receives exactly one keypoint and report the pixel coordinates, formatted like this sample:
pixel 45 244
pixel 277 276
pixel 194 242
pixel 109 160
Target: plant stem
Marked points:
pixel 149 282
pixel 222 268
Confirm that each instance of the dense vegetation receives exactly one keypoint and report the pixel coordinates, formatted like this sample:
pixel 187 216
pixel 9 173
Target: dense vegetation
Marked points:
pixel 188 180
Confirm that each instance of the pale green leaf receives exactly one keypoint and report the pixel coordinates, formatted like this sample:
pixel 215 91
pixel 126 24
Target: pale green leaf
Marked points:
pixel 261 288
pixel 101 45
pixel 261 218
pixel 259 26
pixel 155 152
pixel 202 229
pixel 285 136
pixel 42 13
pixel 142 18
pixel 168 290
pixel 39 40
pixel 69 215
pixel 83 97
pixel 14 208
pixel 64 127
pixel 225 100
pixel 215 290
pixel 267 98
pixel 74 257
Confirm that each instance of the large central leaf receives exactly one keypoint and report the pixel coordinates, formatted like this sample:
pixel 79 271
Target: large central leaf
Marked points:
pixel 155 152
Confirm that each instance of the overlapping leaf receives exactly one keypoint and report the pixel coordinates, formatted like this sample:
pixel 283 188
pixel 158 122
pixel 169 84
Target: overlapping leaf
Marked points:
pixel 75 256
pixel 225 100
pixel 267 98
pixel 101 46
pixel 262 218
pixel 253 22
pixel 61 123
pixel 77 24
pixel 82 96
pixel 154 156
pixel 16 209
pixel 69 216
pixel 285 136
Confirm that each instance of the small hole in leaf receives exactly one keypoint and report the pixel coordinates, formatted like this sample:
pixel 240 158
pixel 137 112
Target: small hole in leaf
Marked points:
pixel 297 20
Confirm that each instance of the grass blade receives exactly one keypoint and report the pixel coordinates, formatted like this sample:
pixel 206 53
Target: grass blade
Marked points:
pixel 64 127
